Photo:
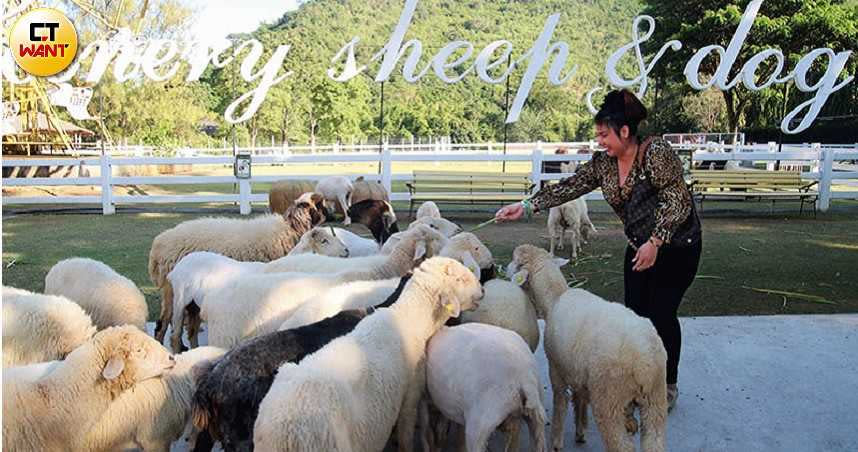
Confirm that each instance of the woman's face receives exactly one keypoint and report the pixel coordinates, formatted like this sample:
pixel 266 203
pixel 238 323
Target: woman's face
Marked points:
pixel 608 139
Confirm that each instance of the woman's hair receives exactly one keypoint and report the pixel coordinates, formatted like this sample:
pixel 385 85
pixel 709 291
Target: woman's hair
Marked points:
pixel 621 108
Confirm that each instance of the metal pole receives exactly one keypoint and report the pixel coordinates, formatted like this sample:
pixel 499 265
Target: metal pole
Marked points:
pixel 234 145
pixel 381 127
pixel 780 129
pixel 506 114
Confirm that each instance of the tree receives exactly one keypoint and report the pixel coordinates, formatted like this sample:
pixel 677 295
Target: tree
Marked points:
pixel 794 26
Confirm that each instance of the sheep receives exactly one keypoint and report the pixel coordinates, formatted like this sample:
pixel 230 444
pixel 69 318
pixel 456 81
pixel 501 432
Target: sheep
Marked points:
pixel 197 275
pixel 39 328
pixel 349 394
pixel 364 190
pixel 337 190
pixel 563 217
pixel 263 239
pixel 322 241
pixel 585 223
pixel 506 305
pixel 464 247
pixel 109 298
pixel 202 272
pixel 229 392
pixel 54 412
pixel 284 193
pixel 444 226
pixel 428 209
pixel 357 245
pixel 313 263
pixel 603 351
pixel 377 216
pixel 258 304
pixel 154 414
pixel 482 377
pixel 349 296
pixel 30 372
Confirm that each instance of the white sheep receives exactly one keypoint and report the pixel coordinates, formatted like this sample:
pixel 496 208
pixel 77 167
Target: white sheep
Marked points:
pixel 155 413
pixel 109 298
pixel 506 305
pixel 53 412
pixel 261 239
pixel 313 263
pixel 337 190
pixel 39 328
pixel 349 394
pixel 481 377
pixel 446 227
pixel 195 277
pixel 321 240
pixel 606 353
pixel 352 295
pixel 358 246
pixel 566 216
pixel 428 209
pixel 259 304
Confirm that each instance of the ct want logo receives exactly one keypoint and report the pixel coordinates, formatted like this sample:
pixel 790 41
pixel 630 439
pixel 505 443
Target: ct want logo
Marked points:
pixel 43 42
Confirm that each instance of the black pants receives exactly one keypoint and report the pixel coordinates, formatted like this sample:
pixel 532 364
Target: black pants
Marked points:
pixel 656 293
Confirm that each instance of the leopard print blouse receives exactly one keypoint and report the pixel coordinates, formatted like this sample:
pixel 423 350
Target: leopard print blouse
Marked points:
pixel 661 164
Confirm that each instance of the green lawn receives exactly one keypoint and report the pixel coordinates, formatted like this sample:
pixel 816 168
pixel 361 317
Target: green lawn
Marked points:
pixel 744 246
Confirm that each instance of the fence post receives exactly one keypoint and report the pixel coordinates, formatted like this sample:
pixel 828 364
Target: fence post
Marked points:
pixel 825 177
pixel 773 148
pixel 536 167
pixel 107 207
pixel 386 174
pixel 244 196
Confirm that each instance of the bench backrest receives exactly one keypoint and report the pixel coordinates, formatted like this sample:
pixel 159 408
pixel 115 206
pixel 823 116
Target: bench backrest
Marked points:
pixel 471 181
pixel 746 179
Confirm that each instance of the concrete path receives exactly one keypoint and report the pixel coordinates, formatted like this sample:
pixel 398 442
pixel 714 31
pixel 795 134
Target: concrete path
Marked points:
pixel 769 383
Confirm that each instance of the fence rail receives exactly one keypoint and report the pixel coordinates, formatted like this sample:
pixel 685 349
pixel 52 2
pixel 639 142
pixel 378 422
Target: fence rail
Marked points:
pixel 821 160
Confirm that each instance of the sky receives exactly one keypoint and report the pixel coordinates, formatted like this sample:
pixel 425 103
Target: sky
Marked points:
pixel 219 18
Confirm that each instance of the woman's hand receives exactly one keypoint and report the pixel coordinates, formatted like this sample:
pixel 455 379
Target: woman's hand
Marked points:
pixel 510 213
pixel 645 257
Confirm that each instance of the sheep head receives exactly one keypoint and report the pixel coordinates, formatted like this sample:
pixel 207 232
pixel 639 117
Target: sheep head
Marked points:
pixel 314 205
pixel 324 241
pixel 376 215
pixel 538 272
pixel 444 226
pixel 470 251
pixel 131 356
pixel 456 288
pixel 420 243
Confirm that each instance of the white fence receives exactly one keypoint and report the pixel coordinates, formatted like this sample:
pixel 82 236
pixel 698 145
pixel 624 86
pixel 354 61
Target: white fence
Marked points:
pixel 821 159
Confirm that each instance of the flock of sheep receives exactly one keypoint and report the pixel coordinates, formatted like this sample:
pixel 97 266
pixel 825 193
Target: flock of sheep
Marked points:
pixel 322 340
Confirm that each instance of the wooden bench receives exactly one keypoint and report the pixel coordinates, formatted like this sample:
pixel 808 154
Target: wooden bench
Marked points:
pixel 467 187
pixel 747 185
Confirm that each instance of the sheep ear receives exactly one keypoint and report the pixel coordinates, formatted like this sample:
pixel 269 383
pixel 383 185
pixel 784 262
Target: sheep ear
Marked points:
pixel 113 368
pixel 420 250
pixel 452 306
pixel 520 278
pixel 472 265
pixel 559 261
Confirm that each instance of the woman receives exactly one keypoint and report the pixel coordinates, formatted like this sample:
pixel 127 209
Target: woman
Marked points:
pixel 642 181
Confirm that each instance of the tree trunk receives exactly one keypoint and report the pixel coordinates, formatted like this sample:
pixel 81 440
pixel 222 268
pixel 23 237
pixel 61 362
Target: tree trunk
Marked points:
pixel 732 114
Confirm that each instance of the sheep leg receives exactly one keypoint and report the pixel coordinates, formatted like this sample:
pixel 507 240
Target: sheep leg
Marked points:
pixel 427 433
pixel 558 417
pixel 166 311
pixel 345 206
pixel 580 400
pixel 194 323
pixel 512 427
pixel 176 333
pixel 534 414
pixel 653 410
pixel 551 235
pixel 611 420
pixel 560 238
pixel 407 421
